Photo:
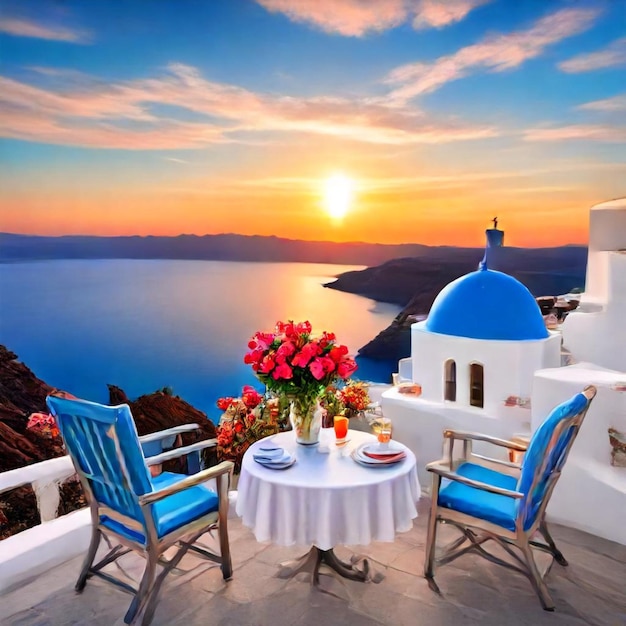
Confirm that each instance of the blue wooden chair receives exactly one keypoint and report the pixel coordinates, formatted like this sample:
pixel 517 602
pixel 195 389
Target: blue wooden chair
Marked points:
pixel 140 513
pixel 489 499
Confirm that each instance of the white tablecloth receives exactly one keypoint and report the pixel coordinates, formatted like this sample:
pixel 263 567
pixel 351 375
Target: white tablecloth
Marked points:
pixel 327 499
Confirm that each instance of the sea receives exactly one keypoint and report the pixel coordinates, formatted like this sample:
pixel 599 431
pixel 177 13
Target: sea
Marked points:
pixel 148 324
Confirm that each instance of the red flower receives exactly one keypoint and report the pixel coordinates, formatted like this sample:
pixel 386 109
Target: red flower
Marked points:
pixel 261 341
pixel 267 364
pixel 44 424
pixel 292 361
pixel 282 371
pixel 253 357
pixel 328 339
pixel 224 403
pixel 285 350
pixel 250 397
pixel 346 368
pixel 321 366
pixel 337 353
pixel 308 352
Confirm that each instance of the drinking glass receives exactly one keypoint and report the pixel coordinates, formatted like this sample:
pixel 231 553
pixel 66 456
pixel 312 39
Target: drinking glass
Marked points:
pixel 382 429
pixel 340 422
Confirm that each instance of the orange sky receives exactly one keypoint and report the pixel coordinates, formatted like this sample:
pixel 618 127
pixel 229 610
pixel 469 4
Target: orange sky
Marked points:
pixel 116 123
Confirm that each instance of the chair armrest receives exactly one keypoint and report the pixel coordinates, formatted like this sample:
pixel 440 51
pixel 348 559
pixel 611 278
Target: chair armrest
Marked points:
pixel 224 467
pixel 443 470
pixel 174 454
pixel 169 432
pixel 467 436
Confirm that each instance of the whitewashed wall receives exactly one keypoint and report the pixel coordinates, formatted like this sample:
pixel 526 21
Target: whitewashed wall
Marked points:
pixel 509 366
pixel 607 232
pixel 600 336
pixel 591 493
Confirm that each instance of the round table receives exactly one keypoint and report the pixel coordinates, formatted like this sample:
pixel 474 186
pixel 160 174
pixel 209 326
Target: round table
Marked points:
pixel 327 499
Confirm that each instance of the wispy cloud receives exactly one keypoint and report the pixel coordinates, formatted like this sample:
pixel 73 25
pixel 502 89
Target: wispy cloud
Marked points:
pixel 355 18
pixel 123 115
pixel 617 103
pixel 495 53
pixel 588 132
pixel 27 28
pixel 439 13
pixel 614 55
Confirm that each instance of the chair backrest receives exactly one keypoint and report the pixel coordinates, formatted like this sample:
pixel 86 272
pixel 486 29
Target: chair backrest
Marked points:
pixel 547 452
pixel 103 444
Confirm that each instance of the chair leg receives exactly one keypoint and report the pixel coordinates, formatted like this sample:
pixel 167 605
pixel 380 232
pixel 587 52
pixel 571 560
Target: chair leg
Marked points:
pixel 226 566
pixel 152 596
pixel 431 537
pixel 535 577
pixel 144 587
pixel 556 553
pixel 96 535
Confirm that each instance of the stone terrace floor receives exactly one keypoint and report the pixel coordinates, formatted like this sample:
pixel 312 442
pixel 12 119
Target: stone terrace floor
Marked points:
pixel 592 590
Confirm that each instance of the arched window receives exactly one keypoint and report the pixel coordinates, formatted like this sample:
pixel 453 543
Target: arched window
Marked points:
pixel 476 385
pixel 450 380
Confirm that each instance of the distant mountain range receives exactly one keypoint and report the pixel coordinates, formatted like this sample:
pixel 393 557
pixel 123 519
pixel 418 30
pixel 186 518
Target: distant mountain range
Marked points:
pixel 207 247
pixel 231 247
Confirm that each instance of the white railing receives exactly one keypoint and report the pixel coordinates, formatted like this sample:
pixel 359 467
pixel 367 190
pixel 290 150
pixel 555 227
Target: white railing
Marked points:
pixel 46 479
pixel 54 541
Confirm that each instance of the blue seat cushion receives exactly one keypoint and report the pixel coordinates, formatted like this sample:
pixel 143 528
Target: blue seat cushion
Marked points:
pixel 491 507
pixel 172 512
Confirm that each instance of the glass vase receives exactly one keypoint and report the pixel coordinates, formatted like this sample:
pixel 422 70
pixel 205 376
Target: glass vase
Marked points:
pixel 305 415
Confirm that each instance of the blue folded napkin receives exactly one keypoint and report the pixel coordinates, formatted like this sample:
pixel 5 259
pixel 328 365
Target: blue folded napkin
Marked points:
pixel 270 455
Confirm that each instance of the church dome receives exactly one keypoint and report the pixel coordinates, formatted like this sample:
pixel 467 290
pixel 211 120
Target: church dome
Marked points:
pixel 487 305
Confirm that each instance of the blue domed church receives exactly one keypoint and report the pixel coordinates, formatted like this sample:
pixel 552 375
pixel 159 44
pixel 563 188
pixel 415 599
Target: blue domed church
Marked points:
pixel 475 359
pixel 482 342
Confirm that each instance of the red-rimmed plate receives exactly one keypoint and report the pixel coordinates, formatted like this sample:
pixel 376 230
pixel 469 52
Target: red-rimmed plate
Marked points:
pixel 360 457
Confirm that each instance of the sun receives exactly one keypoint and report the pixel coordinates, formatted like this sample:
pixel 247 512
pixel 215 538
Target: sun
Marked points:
pixel 338 195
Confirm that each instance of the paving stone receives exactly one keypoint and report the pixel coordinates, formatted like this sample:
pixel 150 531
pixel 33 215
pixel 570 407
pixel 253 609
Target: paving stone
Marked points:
pixel 474 592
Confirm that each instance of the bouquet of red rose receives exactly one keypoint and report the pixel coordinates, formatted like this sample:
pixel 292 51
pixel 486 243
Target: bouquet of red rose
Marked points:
pixel 291 361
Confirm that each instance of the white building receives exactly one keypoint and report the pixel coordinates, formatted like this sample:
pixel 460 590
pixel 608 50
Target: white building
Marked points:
pixel 484 352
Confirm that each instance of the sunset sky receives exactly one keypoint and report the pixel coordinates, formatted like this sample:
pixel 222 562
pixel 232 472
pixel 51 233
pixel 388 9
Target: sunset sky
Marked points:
pixel 214 116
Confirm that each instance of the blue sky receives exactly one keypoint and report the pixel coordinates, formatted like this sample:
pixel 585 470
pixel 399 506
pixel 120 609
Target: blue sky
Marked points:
pixel 165 117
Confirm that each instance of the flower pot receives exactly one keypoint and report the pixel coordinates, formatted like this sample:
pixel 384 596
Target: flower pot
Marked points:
pixel 305 416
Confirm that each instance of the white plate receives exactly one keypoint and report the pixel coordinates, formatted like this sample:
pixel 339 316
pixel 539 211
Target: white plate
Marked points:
pixel 360 458
pixel 371 462
pixel 278 466
pixel 393 447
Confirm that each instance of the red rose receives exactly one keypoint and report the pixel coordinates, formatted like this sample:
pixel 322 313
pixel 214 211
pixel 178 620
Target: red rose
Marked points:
pixel 251 397
pixel 282 371
pixel 308 352
pixel 321 366
pixel 346 368
pixel 267 364
pixel 337 353
pixel 284 351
